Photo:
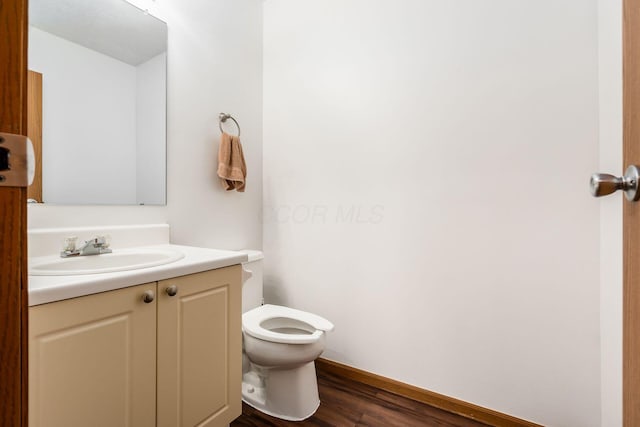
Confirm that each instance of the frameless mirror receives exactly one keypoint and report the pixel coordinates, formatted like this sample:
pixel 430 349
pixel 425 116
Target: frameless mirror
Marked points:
pixel 97 102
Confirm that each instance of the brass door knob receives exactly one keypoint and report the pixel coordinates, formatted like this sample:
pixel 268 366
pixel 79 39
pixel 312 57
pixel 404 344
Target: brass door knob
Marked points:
pixel 148 296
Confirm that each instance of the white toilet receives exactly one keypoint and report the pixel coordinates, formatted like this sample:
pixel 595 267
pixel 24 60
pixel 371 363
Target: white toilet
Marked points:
pixel 280 345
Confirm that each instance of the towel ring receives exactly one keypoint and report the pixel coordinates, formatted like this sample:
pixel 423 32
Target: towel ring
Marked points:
pixel 222 117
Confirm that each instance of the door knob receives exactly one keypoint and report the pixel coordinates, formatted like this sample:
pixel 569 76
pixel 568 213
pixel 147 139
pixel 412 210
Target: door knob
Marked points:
pixel 148 296
pixel 172 290
pixel 602 184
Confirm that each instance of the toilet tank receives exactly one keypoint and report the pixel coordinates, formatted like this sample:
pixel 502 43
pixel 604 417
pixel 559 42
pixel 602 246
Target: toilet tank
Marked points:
pixel 252 287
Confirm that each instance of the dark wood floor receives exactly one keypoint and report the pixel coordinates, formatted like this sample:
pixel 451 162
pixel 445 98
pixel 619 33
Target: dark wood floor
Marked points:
pixel 346 403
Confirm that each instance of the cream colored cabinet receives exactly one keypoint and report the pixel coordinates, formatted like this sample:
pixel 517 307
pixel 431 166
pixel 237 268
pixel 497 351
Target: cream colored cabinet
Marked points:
pixel 200 349
pixel 92 359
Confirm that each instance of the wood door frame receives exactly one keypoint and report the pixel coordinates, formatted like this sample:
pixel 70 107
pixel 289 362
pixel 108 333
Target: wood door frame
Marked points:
pixel 13 220
pixel 631 216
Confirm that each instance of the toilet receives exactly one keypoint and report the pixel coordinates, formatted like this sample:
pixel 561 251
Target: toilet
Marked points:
pixel 280 345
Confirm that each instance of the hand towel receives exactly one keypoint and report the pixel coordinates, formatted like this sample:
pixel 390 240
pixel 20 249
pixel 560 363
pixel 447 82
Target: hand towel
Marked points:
pixel 232 169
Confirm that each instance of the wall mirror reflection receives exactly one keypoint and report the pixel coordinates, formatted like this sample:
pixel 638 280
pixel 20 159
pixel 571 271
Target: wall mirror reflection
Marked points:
pixel 97 101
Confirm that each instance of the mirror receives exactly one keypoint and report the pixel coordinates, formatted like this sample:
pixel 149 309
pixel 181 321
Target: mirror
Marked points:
pixel 97 102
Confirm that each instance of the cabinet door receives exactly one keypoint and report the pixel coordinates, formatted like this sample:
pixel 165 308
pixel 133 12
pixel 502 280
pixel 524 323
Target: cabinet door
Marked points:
pixel 92 361
pixel 200 349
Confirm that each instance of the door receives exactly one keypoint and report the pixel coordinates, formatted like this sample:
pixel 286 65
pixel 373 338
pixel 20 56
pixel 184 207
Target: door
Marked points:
pixel 630 183
pixel 34 131
pixel 93 360
pixel 13 221
pixel 200 349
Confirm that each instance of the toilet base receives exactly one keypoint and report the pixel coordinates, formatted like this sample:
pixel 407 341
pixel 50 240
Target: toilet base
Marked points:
pixel 290 394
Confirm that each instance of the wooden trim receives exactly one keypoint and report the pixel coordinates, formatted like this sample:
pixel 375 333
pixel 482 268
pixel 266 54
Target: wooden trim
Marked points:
pixel 631 216
pixel 34 130
pixel 446 403
pixel 13 221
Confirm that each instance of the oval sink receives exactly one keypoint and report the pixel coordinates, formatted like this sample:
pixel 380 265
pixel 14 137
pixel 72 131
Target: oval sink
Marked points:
pixel 123 260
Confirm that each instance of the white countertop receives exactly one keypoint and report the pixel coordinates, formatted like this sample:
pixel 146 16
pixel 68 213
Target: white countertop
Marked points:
pixel 45 289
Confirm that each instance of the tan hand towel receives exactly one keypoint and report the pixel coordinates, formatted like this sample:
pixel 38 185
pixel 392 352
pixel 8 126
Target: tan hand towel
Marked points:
pixel 232 169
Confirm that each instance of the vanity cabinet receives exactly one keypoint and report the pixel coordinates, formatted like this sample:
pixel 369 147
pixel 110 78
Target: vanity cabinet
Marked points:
pixel 200 349
pixel 92 361
pixel 112 359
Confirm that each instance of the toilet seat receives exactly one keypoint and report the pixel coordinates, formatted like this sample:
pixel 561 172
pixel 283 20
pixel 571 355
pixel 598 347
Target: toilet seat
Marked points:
pixel 253 320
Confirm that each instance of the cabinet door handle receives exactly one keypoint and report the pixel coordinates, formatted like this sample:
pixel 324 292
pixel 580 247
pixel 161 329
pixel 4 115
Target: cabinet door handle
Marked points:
pixel 172 290
pixel 148 296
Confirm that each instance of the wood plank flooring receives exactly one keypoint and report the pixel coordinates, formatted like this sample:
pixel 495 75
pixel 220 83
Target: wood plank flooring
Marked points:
pixel 346 403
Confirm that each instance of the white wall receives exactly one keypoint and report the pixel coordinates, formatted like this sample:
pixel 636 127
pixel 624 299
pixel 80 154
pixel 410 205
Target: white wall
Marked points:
pixel 89 122
pixel 215 53
pixel 610 83
pixel 214 65
pixel 426 167
pixel 151 113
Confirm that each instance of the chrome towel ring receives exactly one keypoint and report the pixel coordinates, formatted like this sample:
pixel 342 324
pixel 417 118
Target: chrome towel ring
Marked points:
pixel 222 117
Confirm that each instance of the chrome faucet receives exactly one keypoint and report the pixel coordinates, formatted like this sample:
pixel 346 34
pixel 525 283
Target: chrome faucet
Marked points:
pixel 96 246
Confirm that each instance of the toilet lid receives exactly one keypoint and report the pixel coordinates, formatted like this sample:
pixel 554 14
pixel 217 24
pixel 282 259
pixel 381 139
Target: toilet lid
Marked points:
pixel 252 322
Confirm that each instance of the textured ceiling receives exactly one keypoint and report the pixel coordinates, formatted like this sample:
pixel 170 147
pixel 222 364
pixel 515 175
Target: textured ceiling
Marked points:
pixel 112 27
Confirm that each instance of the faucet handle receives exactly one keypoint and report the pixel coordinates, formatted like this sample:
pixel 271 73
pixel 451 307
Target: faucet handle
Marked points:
pixel 100 241
pixel 69 243
pixel 104 240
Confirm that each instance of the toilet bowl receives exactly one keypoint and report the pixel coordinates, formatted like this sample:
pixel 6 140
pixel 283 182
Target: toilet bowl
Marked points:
pixel 280 345
pixel 279 349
